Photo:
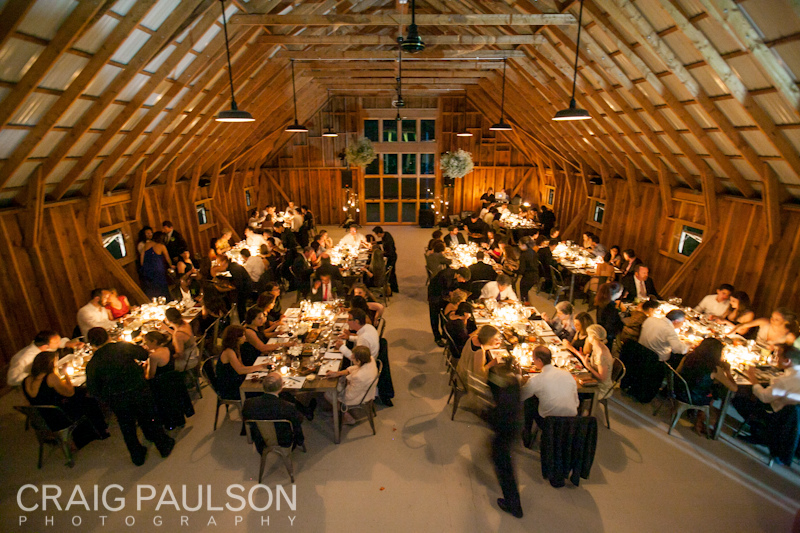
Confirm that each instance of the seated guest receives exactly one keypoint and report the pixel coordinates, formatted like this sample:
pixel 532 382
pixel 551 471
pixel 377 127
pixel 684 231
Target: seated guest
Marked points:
pixel 230 370
pixel 45 341
pixel 616 256
pixel 44 386
pixel 115 375
pixel 94 314
pixel 439 289
pixel 266 302
pixel 551 392
pixel 702 368
pixel 563 324
pixel 256 218
pixel 365 335
pixel 778 329
pixel 253 239
pixel 476 228
pixel 499 290
pixel 187 353
pixel 607 313
pixel 716 305
pixel 492 241
pixel 458 327
pixel 436 261
pixel 325 241
pixel 185 264
pixel 325 289
pixel 528 268
pixel 275 313
pixel 358 379
pixel 270 406
pixel 359 302
pixel 629 263
pixel 254 265
pixel 117 304
pixel 255 338
pixel 499 253
pixel 375 273
pixel 555 234
pixel 456 298
pixel 660 335
pixel 482 270
pixel 171 397
pixel 435 236
pixel 287 239
pixel 739 312
pixel 223 243
pixel 595 247
pixel 633 322
pixel 639 285
pixel 454 238
pixel 326 267
pixel 376 309
pixel 599 362
pixel 582 323
pixel 353 237
pixel 476 359
pixel 604 271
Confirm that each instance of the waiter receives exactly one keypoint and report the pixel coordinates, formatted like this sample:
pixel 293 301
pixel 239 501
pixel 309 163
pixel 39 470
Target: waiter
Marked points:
pixel 390 252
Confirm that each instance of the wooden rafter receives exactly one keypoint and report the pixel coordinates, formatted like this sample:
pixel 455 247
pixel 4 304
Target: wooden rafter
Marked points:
pixel 388 40
pixel 395 19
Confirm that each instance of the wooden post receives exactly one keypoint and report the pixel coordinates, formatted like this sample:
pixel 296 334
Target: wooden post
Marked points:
pixel 633 188
pixel 34 206
pixel 772 203
pixel 137 193
pixel 665 189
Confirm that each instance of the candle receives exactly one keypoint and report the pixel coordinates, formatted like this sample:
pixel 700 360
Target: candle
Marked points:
pixel 69 370
pixel 284 370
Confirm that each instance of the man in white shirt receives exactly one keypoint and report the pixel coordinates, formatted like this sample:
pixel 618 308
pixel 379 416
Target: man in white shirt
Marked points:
pixel 45 341
pixel 254 265
pixel 660 335
pixel 553 392
pixel 253 239
pixel 353 237
pixel 716 304
pixel 499 290
pixel 365 335
pixel 94 314
pixel 297 220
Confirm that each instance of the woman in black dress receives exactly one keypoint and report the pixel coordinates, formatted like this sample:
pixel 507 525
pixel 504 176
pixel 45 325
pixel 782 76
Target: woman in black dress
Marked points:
pixel 607 314
pixel 169 389
pixel 230 371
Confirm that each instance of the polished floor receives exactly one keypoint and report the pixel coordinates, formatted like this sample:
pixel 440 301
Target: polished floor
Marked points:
pixel 422 472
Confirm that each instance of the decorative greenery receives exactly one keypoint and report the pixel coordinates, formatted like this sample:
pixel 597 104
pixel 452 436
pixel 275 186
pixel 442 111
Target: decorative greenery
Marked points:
pixel 457 164
pixel 361 153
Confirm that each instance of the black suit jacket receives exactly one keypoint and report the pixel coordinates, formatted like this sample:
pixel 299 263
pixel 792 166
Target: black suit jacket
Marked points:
pixel 270 407
pixel 634 264
pixel 441 285
pixel 336 287
pixel 288 240
pixel 389 250
pixel 448 240
pixel 240 278
pixel 302 272
pixel 528 263
pixel 327 268
pixel 481 270
pixel 629 288
pixel 176 245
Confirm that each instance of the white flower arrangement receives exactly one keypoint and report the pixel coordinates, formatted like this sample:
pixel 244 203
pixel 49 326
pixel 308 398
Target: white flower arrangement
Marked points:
pixel 361 153
pixel 457 164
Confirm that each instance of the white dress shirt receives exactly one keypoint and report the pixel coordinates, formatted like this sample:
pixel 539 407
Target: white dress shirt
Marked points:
pixel 659 335
pixel 255 267
pixel 710 306
pixel 492 291
pixel 352 240
pixel 20 366
pixel 782 391
pixel 297 222
pixel 90 316
pixel 641 288
pixel 255 240
pixel 556 389
pixel 366 336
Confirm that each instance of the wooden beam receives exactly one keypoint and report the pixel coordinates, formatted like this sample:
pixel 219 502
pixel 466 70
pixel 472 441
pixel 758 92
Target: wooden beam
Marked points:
pixel 169 189
pixel 451 64
pixel 388 40
pixel 137 192
pixel 525 177
pixel 710 198
pixel 132 289
pixel 633 183
pixel 10 17
pixel 214 185
pixel 665 188
pixel 771 196
pixel 95 204
pixel 369 55
pixel 34 207
pixel 277 186
pixel 690 266
pixel 395 19
pixel 195 181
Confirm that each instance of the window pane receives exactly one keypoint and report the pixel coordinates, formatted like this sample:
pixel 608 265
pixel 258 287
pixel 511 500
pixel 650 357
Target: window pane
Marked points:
pixel 390 187
pixel 114 242
pixel 427 186
pixel 410 131
pixel 371 130
pixel 426 163
pixel 373 168
pixel 373 212
pixel 390 164
pixel 389 131
pixel 247 199
pixel 689 240
pixel 409 212
pixel 202 214
pixel 409 163
pixel 551 196
pixel 599 211
pixel 390 213
pixel 427 130
pixel 372 188
pixel 409 188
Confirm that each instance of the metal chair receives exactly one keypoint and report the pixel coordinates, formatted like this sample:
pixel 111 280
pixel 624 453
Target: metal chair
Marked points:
pixel 380 327
pixel 211 376
pixel 457 388
pixel 559 287
pixel 617 373
pixel 367 402
pixel 675 383
pixel 268 434
pixel 36 418
pixel 383 290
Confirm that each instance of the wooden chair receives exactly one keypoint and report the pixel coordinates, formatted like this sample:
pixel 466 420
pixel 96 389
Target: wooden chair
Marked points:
pixel 211 376
pixel 617 373
pixel 367 402
pixel 36 417
pixel 268 434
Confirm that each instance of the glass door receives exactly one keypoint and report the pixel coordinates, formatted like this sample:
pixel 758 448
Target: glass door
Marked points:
pixel 395 186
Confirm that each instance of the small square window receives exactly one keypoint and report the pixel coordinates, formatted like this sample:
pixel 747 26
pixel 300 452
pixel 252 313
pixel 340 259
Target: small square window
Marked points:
pixel 248 200
pixel 390 188
pixel 373 212
pixel 202 214
pixel 114 242
pixel 389 131
pixel 409 164
pixel 372 188
pixel 391 212
pixel 427 163
pixel 427 130
pixel 550 196
pixel 598 212
pixel 390 164
pixel 409 131
pixel 689 239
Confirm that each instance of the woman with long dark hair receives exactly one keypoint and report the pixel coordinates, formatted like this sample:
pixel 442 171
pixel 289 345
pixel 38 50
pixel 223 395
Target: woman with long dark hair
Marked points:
pixel 231 372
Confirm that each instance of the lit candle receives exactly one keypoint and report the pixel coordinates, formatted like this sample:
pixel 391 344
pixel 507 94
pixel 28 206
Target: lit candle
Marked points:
pixel 69 370
pixel 284 370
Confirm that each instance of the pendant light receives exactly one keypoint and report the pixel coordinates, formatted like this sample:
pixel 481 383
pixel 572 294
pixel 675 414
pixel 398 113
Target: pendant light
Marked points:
pixel 234 114
pixel 464 132
pixel 329 131
pixel 399 102
pixel 296 127
pixel 413 43
pixel 502 126
pixel 572 112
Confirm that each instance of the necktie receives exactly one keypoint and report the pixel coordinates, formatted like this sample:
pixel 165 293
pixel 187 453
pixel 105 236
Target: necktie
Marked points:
pixel 325 293
pixel 498 296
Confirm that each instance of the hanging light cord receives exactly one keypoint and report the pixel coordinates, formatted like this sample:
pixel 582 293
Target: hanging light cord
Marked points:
pixel 294 94
pixel 503 94
pixel 228 52
pixel 577 52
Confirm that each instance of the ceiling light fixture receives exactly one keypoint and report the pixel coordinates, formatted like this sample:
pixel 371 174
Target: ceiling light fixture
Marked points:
pixel 234 114
pixel 296 127
pixel 572 112
pixel 464 132
pixel 329 131
pixel 502 125
pixel 413 43
pixel 399 102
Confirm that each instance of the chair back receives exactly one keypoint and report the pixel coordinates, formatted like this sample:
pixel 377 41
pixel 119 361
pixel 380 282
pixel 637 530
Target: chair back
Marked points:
pixel 370 394
pixel 558 279
pixel 210 373
pixel 475 287
pixel 267 430
pixel 37 418
pixel 454 352
pixel 680 388
pixel 480 388
pixel 617 373
pixel 381 326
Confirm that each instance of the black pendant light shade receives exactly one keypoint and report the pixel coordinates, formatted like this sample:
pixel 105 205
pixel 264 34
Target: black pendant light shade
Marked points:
pixel 502 125
pixel 234 114
pixel 329 131
pixel 464 132
pixel 413 43
pixel 573 112
pixel 296 127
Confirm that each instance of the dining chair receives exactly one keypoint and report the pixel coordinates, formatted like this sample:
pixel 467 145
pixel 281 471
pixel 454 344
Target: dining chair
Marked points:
pixel 559 287
pixel 381 326
pixel 677 388
pixel 267 429
pixel 617 373
pixel 36 417
pixel 457 388
pixel 367 402
pixel 211 376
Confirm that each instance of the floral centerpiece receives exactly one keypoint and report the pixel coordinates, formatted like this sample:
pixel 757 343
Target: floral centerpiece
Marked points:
pixel 361 153
pixel 457 164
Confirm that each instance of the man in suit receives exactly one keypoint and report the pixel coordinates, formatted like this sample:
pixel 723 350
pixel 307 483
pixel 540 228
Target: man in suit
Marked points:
pixel 241 282
pixel 481 270
pixel 175 242
pixel 325 289
pixel 439 289
pixel 454 238
pixel 629 263
pixel 528 267
pixel 302 271
pixel 390 252
pixel 326 267
pixel 639 285
pixel 270 407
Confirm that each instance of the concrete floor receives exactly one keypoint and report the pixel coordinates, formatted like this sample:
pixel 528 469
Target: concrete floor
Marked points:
pixel 421 472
